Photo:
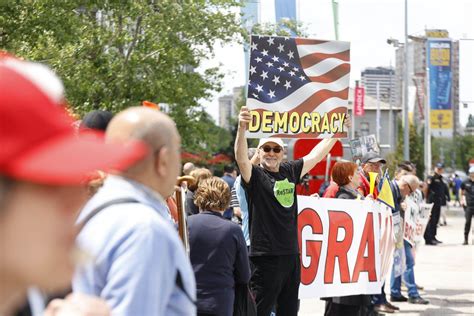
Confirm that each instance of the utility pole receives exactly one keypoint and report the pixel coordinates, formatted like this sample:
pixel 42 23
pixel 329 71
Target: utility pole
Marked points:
pixel 406 127
pixel 390 113
pixel 427 156
pixel 377 118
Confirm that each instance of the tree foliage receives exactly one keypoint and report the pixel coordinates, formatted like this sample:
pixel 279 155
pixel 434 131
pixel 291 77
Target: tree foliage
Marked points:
pixel 454 152
pixel 284 27
pixel 115 54
pixel 416 150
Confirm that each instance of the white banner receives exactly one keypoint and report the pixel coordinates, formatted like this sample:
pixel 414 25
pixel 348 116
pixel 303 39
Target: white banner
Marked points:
pixel 417 214
pixel 344 249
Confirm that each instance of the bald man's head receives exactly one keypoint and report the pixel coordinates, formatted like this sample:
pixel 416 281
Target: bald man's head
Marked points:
pixel 188 167
pixel 408 184
pixel 141 123
pixel 161 167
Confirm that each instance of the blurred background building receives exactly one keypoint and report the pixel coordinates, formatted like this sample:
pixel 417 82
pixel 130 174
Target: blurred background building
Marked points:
pixel 228 108
pixel 387 80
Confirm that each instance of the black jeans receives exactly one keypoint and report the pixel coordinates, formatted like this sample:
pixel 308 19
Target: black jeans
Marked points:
pixel 468 212
pixel 275 282
pixel 432 227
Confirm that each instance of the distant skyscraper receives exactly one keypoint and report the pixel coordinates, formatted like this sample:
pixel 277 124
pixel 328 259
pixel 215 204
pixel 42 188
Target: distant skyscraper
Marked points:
pixel 387 83
pixel 228 107
pixel 250 16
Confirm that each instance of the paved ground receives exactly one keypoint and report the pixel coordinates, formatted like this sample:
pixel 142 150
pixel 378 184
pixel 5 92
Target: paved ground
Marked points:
pixel 446 271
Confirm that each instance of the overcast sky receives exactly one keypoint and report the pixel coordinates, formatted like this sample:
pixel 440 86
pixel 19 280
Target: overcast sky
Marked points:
pixel 367 24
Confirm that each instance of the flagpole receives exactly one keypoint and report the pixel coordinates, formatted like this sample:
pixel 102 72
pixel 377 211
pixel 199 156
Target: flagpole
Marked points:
pixel 335 12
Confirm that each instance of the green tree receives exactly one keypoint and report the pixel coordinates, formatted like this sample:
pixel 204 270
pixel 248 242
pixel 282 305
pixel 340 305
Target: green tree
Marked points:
pixel 114 54
pixel 416 150
pixel 284 27
pixel 455 152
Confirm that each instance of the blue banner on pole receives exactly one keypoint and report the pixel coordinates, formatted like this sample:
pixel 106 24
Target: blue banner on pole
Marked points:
pixel 439 63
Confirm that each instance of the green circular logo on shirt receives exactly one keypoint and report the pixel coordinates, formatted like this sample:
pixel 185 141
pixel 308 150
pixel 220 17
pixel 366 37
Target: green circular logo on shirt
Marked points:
pixel 284 192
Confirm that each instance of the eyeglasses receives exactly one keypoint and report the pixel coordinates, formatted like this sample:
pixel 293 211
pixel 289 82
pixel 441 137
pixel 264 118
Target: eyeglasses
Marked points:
pixel 409 187
pixel 276 150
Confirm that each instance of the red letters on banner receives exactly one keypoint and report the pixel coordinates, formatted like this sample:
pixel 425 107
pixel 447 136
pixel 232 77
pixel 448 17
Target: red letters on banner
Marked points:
pixel 313 248
pixel 336 249
pixel 366 263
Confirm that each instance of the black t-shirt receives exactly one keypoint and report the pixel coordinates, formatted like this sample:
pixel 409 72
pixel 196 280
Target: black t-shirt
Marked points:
pixel 273 209
pixel 468 190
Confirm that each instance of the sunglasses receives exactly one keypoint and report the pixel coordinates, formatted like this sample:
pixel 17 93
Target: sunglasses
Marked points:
pixel 276 150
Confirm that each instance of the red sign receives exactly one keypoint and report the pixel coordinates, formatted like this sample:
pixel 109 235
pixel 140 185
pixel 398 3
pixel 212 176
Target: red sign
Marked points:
pixel 359 101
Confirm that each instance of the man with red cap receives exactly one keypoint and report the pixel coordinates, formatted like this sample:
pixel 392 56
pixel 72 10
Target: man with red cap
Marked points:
pixel 42 168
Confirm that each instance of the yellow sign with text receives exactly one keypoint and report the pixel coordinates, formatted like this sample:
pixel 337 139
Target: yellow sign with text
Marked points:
pixel 275 122
pixel 441 119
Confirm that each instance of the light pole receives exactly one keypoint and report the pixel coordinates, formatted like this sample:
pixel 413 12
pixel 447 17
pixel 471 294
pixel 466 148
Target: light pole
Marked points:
pixel 406 124
pixel 406 130
pixel 395 43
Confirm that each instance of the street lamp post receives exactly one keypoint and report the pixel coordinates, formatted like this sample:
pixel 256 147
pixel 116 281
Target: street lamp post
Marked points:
pixel 406 130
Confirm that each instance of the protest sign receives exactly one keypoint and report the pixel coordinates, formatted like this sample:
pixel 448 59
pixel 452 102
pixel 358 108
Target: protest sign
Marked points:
pixel 298 88
pixel 411 213
pixel 417 214
pixel 344 249
pixel 422 221
pixel 362 145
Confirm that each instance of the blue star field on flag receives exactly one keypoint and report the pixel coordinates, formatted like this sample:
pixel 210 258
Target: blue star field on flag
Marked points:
pixel 275 69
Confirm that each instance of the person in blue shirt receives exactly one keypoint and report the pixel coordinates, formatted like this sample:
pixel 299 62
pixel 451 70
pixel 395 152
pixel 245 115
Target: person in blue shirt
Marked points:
pixel 140 266
pixel 218 250
pixel 457 181
pixel 229 178
pixel 239 198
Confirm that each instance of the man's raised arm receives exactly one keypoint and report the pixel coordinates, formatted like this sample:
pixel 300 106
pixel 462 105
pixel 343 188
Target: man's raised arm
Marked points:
pixel 321 150
pixel 317 154
pixel 241 147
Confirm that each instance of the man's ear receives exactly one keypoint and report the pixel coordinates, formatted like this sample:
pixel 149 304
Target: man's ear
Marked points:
pixel 161 161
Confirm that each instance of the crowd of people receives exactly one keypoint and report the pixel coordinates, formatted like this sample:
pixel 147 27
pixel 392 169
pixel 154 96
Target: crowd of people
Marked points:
pixel 88 215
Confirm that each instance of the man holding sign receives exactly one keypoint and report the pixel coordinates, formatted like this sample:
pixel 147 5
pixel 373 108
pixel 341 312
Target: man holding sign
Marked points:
pixel 271 189
pixel 297 88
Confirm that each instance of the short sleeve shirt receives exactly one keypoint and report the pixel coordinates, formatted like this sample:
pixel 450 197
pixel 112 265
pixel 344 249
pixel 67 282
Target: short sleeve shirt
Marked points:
pixel 273 209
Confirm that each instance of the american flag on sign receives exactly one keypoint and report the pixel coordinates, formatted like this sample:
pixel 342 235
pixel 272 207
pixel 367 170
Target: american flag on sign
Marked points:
pixel 297 87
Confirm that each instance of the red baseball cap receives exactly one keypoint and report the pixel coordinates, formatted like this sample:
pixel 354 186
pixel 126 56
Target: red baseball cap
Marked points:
pixel 37 138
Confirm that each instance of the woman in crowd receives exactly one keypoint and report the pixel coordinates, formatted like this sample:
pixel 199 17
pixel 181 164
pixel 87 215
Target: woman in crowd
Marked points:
pixel 345 174
pixel 218 250
pixel 198 174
